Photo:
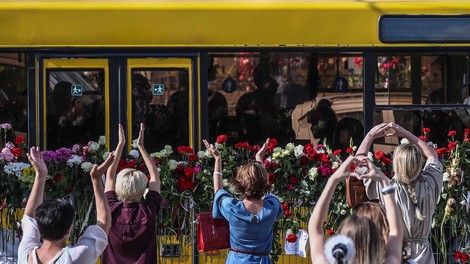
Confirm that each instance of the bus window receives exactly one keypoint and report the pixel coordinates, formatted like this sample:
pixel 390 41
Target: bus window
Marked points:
pixel 166 113
pixel 13 91
pixel 74 107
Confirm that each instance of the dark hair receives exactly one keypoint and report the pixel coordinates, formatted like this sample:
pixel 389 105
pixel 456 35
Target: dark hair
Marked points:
pixel 54 217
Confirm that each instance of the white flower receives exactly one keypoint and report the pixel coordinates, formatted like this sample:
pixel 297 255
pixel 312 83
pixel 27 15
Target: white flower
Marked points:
pixel 202 154
pixel 404 141
pixel 172 164
pixel 168 150
pixel 299 151
pixel 134 153
pixel 16 168
pixel 370 155
pixel 335 165
pixel 102 140
pixel 312 173
pixel 94 146
pixel 290 147
pixel 74 160
pixel 106 155
pixel 226 182
pixel 87 166
pixel 342 212
pixel 134 143
pixel 157 155
pixel 446 176
pixel 218 145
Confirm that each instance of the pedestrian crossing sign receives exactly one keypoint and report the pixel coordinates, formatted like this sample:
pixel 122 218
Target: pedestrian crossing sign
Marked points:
pixel 158 89
pixel 76 90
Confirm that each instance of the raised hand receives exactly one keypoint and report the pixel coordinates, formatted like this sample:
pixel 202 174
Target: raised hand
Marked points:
pixel 212 149
pixel 262 151
pixel 36 159
pixel 121 135
pixel 97 171
pixel 344 171
pixel 140 139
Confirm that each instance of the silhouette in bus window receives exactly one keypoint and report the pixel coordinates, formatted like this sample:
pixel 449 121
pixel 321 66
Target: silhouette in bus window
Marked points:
pixel 218 111
pixel 348 129
pixel 256 110
pixel 323 122
pixel 178 112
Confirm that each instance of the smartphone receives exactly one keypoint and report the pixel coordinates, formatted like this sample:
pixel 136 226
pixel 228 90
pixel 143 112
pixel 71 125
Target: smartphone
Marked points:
pixel 361 170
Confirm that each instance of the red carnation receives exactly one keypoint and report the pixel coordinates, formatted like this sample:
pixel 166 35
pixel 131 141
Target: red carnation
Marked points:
pixel 291 238
pixel 379 155
pixel 467 131
pixel 426 130
pixel 452 145
pixel 221 139
pixel 464 257
pixel 330 232
pixel 457 255
pixel 19 140
pixel 272 143
pixel 294 180
pixel 16 152
pixel 193 157
pixel 441 151
pixel 349 150
pixel 337 152
pixel 452 133
pixel 424 138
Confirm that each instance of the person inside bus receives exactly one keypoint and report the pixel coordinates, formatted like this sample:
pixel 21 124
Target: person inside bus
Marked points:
pixel 218 111
pixel 132 237
pixel 419 179
pixel 251 219
pixel 178 112
pixel 48 224
pixel 323 122
pixel 366 236
pixel 256 110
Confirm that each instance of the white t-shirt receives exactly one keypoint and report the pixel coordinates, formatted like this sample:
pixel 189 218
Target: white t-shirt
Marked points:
pixel 86 251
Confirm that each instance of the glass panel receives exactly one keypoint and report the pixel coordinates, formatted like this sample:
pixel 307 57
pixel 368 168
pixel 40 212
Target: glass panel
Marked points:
pixel 75 107
pixel 13 98
pixel 160 100
pixel 293 97
pixel 421 79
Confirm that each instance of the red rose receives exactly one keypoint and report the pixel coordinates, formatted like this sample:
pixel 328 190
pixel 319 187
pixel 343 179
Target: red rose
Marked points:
pixel 241 145
pixel 131 163
pixel 189 171
pixel 287 212
pixel 386 161
pixel 185 149
pixel 325 158
pixel 452 133
pixel 379 155
pixel 457 255
pixel 221 139
pixel 271 178
pixel 284 206
pixel 424 138
pixel 330 232
pixel 349 150
pixel 19 140
pixel 291 238
pixel 272 143
pixel 464 257
pixel 441 151
pixel 58 177
pixel 337 152
pixel 452 145
pixel 193 157
pixel 309 148
pixel 426 130
pixel 16 152
pixel 467 131
pixel 294 180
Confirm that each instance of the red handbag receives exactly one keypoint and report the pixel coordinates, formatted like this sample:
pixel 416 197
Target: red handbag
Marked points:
pixel 212 234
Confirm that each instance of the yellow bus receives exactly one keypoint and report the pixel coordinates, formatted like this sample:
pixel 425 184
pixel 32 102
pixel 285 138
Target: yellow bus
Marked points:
pixel 300 71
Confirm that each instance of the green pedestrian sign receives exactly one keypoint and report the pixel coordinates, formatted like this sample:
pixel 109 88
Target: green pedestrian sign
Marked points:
pixel 158 89
pixel 76 90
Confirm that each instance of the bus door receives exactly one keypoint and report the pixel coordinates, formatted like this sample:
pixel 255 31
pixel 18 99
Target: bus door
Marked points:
pixel 161 96
pixel 75 101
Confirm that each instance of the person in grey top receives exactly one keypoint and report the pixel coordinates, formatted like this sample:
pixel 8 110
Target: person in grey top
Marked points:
pixel 418 183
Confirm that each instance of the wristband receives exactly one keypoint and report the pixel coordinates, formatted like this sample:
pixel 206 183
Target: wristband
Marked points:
pixel 389 189
pixel 217 173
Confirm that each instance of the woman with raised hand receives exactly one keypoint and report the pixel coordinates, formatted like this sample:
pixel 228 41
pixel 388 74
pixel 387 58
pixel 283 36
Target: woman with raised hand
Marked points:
pixel 418 183
pixel 368 242
pixel 132 237
pixel 251 219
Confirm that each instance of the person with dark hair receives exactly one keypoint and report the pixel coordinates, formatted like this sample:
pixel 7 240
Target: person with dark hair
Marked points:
pixel 51 221
pixel 251 219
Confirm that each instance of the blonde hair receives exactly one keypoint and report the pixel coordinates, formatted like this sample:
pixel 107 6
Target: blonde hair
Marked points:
pixel 130 185
pixel 408 162
pixel 376 212
pixel 251 181
pixel 366 236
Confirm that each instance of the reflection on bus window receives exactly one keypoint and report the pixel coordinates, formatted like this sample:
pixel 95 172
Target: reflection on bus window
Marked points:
pixel 13 91
pixel 160 101
pixel 75 107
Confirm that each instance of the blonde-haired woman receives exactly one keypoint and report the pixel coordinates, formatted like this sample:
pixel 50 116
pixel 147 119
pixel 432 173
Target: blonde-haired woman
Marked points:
pixel 365 234
pixel 417 187
pixel 132 237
